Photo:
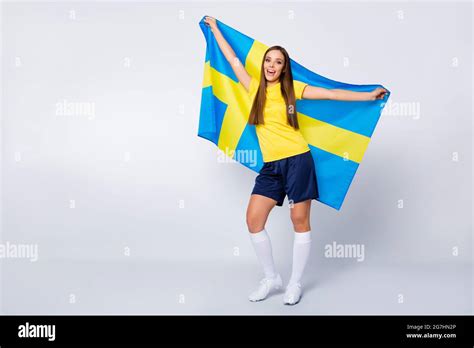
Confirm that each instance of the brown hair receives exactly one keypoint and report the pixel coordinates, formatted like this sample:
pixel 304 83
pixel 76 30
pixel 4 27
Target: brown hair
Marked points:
pixel 287 91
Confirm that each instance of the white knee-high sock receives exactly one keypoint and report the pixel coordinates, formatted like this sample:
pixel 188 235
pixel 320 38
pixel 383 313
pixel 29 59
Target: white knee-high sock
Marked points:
pixel 301 250
pixel 263 249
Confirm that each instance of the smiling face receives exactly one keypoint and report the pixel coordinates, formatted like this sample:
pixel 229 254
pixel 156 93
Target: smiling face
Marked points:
pixel 273 65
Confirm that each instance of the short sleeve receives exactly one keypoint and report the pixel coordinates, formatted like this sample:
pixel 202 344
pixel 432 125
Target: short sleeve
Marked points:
pixel 253 86
pixel 299 88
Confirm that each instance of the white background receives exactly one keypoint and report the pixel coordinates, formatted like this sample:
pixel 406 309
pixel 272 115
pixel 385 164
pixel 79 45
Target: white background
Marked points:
pixel 135 177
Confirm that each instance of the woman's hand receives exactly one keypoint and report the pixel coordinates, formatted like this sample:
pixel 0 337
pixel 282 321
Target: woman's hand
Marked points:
pixel 378 93
pixel 228 52
pixel 211 22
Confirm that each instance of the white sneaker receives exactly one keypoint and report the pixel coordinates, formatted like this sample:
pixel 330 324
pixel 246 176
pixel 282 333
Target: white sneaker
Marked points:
pixel 292 294
pixel 266 285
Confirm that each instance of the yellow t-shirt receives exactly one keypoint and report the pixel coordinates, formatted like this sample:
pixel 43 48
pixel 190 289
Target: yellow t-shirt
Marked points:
pixel 276 137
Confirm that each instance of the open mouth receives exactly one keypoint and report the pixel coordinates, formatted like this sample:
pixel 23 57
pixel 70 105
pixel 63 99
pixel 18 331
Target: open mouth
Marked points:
pixel 270 72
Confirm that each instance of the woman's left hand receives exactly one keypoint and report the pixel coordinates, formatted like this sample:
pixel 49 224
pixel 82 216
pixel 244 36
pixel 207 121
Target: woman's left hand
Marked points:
pixel 378 93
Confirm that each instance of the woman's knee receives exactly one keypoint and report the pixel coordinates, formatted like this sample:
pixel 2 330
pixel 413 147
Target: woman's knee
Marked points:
pixel 257 212
pixel 255 223
pixel 300 221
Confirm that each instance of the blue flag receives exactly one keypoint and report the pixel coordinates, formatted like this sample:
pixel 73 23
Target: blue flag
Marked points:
pixel 337 132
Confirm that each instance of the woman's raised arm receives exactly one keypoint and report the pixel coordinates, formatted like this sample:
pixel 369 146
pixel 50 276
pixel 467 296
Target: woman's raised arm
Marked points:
pixel 239 69
pixel 313 92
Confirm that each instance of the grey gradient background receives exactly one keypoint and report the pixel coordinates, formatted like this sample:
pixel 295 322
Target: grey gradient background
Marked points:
pixel 158 223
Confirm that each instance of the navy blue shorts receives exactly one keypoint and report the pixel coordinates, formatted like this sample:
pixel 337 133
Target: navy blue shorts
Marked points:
pixel 294 176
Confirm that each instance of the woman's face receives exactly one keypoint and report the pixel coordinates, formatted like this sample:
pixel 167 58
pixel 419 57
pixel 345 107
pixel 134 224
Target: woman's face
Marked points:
pixel 273 65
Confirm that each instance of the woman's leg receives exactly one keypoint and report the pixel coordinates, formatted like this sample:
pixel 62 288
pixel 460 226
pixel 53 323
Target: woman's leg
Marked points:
pixel 257 213
pixel 300 216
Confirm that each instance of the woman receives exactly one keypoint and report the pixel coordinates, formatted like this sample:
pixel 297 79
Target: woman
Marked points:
pixel 288 167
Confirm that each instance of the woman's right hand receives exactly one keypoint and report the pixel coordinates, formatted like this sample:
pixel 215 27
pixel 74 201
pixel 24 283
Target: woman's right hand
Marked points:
pixel 211 22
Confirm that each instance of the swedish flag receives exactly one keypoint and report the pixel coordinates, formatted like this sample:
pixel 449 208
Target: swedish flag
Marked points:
pixel 337 132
